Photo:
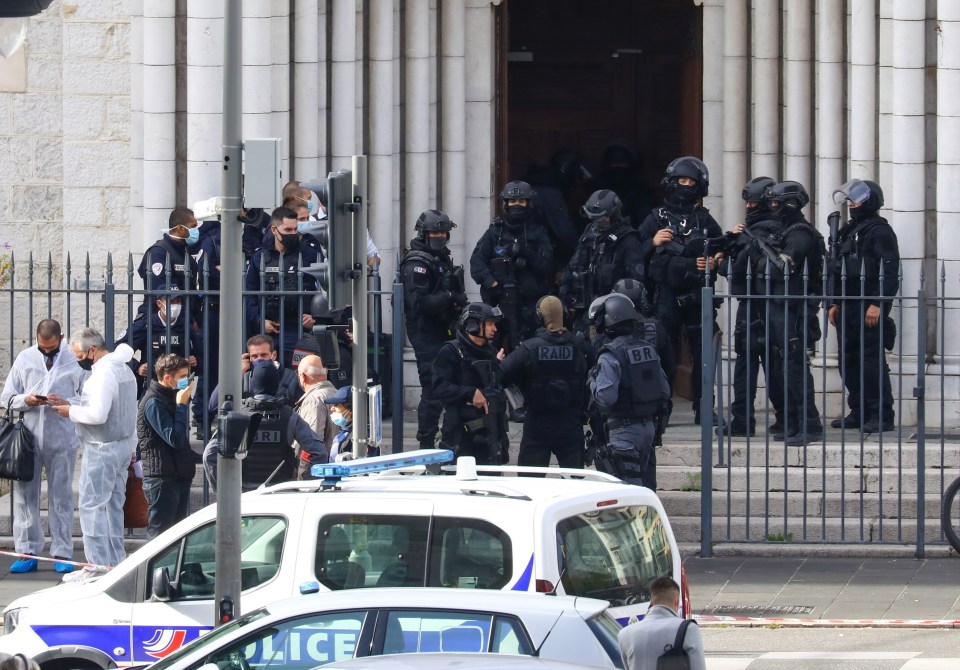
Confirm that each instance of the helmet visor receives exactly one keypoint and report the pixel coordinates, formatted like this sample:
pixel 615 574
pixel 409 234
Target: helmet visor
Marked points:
pixel 594 211
pixel 595 307
pixel 854 191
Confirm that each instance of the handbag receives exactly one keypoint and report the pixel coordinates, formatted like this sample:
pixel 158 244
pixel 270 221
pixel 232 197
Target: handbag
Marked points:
pixel 16 448
pixel 135 506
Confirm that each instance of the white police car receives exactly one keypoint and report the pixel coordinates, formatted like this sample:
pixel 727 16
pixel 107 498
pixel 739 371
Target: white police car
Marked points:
pixel 584 534
pixel 310 631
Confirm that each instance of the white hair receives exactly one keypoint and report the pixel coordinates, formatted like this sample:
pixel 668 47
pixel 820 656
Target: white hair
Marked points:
pixel 85 338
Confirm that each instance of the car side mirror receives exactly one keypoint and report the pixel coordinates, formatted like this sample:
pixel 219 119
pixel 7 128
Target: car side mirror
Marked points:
pixel 161 588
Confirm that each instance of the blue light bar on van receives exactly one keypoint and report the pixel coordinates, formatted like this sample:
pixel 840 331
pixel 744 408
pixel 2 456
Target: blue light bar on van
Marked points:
pixel 367 466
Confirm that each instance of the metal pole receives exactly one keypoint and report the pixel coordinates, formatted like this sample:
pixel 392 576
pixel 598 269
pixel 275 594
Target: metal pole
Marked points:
pixel 919 392
pixel 361 429
pixel 706 422
pixel 231 340
pixel 397 364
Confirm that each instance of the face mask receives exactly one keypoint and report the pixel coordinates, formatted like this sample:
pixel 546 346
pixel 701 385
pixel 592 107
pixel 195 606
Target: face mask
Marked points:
pixel 517 215
pixel 437 243
pixel 183 383
pixel 193 236
pixel 172 312
pixel 758 213
pixel 310 205
pixel 684 195
pixel 86 364
pixel 51 353
pixel 303 227
pixel 290 241
pixel 338 419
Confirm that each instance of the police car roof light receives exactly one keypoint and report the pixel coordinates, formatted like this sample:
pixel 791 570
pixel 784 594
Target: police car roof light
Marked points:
pixel 374 464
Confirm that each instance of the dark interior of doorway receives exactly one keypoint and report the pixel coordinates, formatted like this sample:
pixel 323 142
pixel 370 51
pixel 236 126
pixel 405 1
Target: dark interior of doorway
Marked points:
pixel 581 73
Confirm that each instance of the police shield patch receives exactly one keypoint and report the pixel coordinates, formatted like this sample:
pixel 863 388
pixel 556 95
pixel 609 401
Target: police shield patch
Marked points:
pixel 420 269
pixel 157 268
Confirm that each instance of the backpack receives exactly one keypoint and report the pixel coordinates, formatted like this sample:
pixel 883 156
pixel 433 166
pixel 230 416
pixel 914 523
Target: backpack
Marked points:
pixel 674 657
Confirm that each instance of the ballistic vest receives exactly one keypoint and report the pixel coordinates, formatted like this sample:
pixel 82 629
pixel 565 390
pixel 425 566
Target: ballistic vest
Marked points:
pixel 559 379
pixel 643 386
pixel 272 444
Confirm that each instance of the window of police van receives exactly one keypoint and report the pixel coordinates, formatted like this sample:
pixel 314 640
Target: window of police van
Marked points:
pixel 355 551
pixel 191 562
pixel 412 631
pixel 613 553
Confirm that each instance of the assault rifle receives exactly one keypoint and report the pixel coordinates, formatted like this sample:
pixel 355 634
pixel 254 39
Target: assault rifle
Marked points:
pixel 492 421
pixel 764 246
pixel 503 270
pixel 833 223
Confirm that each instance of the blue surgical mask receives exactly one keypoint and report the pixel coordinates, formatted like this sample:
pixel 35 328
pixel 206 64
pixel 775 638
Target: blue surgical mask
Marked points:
pixel 310 205
pixel 193 235
pixel 303 227
pixel 338 419
pixel 183 383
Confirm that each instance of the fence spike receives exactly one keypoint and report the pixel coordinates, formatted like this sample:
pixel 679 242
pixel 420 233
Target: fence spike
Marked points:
pixel 129 263
pixel 87 263
pixel 68 263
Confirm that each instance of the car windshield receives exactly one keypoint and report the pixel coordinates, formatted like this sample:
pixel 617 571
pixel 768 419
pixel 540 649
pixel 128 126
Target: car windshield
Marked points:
pixel 606 628
pixel 211 638
pixel 613 553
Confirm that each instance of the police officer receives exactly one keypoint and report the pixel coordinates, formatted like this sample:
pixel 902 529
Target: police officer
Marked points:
pixel 432 300
pixel 552 186
pixel 620 173
pixel 608 251
pixel 165 331
pixel 260 348
pixel 551 370
pixel 792 269
pixel 275 271
pixel 466 379
pixel 208 261
pixel 749 337
pixel 271 454
pixel 867 246
pixel 648 325
pixel 630 390
pixel 682 242
pixel 513 263
pixel 173 252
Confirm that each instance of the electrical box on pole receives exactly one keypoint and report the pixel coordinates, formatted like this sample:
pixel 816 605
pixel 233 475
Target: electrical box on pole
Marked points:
pixel 337 272
pixel 262 173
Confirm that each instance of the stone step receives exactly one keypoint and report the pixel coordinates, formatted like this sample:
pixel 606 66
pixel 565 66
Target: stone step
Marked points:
pixel 833 455
pixel 851 480
pixel 773 529
pixel 816 505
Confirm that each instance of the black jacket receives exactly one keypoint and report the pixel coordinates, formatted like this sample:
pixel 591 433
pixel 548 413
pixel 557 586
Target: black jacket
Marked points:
pixel 163 440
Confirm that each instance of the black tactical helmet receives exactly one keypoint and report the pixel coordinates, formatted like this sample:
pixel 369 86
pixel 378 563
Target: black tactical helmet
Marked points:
pixel 433 220
pixel 637 293
pixel 603 204
pixel 516 190
pixel 619 152
pixel 867 194
pixel 790 194
pixel 687 166
pixel 475 315
pixel 618 309
pixel 754 189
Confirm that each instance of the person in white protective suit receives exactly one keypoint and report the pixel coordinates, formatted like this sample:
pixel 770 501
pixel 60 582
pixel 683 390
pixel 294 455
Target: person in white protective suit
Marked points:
pixel 106 423
pixel 42 375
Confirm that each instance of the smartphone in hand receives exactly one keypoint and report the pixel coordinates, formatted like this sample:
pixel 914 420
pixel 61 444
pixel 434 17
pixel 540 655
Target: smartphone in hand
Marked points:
pixel 42 398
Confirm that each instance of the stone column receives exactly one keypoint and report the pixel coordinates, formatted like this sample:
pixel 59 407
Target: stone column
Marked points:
pixel 280 80
pixel 735 113
pixel 480 130
pixel 257 70
pixel 830 97
pixel 384 228
pixel 343 97
pixel 713 67
pixel 862 86
pixel 416 101
pixel 766 89
pixel 453 115
pixel 307 93
pixel 159 122
pixel 798 94
pixel 136 124
pixel 204 99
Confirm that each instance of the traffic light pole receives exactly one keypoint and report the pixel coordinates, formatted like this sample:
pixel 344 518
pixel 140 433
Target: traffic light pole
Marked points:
pixel 227 590
pixel 361 428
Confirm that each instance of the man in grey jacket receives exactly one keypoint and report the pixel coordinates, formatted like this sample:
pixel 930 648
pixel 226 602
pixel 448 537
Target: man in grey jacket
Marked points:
pixel 312 408
pixel 642 643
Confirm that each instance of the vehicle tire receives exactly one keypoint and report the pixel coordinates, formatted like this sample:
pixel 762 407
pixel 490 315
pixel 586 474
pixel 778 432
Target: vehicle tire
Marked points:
pixel 69 664
pixel 950 514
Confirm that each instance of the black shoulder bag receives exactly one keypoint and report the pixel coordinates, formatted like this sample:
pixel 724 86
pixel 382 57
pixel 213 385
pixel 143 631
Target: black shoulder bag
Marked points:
pixel 674 657
pixel 16 448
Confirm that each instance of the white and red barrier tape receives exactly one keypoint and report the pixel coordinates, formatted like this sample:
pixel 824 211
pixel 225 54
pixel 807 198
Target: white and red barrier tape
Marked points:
pixel 758 622
pixel 76 564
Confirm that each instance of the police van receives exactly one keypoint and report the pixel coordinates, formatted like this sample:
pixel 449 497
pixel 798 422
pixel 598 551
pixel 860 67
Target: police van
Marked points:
pixel 410 520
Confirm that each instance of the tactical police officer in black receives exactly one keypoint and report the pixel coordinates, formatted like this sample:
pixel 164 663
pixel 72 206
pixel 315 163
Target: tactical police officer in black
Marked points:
pixel 513 264
pixel 630 390
pixel 553 185
pixel 608 251
pixel 792 267
pixel 682 242
pixel 275 306
pixel 467 380
pixel 551 370
pixel 867 269
pixel 749 337
pixel 433 296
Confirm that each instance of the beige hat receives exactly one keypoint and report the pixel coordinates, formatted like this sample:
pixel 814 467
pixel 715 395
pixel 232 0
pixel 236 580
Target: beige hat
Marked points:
pixel 551 311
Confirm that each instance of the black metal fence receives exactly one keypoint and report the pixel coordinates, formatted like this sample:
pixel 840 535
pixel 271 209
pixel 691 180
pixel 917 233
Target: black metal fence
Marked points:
pixel 861 482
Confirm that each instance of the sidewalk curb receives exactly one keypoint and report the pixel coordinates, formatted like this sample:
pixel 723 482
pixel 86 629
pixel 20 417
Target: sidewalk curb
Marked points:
pixel 816 550
pixel 715 621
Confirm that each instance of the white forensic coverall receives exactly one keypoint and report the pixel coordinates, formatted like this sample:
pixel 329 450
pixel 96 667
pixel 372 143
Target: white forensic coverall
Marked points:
pixel 106 421
pixel 56 449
